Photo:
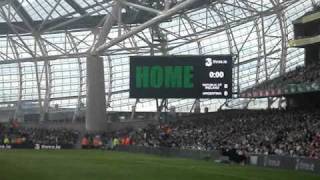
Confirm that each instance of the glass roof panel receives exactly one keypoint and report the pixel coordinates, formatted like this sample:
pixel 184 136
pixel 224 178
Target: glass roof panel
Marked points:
pixel 204 31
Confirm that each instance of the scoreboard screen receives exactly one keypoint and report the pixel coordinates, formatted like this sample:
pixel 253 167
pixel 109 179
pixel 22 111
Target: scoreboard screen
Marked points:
pixel 181 76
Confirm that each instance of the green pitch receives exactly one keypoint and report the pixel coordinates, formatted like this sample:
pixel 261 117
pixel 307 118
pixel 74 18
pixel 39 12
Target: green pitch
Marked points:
pixel 103 165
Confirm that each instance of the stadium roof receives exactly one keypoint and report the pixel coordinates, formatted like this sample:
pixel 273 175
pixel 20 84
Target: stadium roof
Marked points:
pixel 44 44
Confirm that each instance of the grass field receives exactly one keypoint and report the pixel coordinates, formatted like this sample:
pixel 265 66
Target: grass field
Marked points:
pixel 103 165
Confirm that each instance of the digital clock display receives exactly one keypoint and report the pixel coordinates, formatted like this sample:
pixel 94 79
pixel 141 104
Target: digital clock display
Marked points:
pixel 181 76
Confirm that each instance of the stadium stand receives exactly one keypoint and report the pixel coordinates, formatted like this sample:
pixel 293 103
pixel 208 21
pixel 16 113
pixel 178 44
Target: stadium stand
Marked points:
pixel 287 133
pixel 21 137
pixel 301 75
pixel 299 81
pixel 293 133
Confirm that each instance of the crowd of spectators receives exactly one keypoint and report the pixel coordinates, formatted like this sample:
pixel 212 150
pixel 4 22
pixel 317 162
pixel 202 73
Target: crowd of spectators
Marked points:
pixel 280 132
pixel 300 75
pixel 13 134
pixel 289 133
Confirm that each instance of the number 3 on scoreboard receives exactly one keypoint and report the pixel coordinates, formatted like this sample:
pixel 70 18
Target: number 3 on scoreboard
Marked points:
pixel 208 62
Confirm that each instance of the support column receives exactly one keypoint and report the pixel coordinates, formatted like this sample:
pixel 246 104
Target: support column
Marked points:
pixel 197 106
pixel 96 119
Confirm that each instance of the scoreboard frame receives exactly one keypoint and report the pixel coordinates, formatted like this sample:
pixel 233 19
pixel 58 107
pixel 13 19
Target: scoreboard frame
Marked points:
pixel 186 76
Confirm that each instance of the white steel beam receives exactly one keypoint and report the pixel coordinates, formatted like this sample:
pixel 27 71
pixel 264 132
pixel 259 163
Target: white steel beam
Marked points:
pixel 81 78
pixel 147 24
pixel 50 13
pixel 144 8
pixel 17 113
pixel 75 19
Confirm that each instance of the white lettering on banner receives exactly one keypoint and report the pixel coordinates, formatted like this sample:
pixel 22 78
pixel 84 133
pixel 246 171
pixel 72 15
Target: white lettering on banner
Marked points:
pixel 254 160
pixel 37 146
pixel 5 147
pixel 54 147
pixel 271 162
pixel 50 147
pixel 300 165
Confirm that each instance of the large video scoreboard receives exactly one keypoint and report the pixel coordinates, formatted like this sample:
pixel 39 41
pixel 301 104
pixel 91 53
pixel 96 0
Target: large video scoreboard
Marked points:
pixel 181 76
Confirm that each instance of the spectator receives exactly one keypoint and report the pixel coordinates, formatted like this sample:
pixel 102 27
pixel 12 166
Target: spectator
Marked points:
pixel 256 132
pixel 300 75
